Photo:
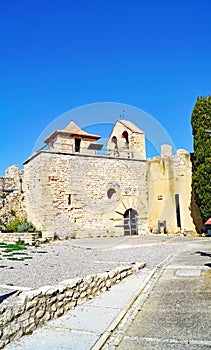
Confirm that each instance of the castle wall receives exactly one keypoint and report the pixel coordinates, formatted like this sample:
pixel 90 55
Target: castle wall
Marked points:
pixel 84 196
pixel 169 176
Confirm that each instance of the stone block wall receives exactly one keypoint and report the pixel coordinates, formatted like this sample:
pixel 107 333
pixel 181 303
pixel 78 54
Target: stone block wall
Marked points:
pixel 68 195
pixel 12 197
pixel 13 237
pixel 134 148
pixel 62 143
pixel 167 176
pixel 23 313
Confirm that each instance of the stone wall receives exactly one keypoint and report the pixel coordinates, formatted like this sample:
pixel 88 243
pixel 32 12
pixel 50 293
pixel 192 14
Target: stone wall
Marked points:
pixel 22 314
pixel 75 195
pixel 68 195
pixel 30 238
pixel 167 176
pixel 12 197
pixel 62 143
pixel 134 148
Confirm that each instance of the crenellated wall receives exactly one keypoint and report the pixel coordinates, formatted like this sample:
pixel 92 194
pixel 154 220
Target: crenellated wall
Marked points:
pixel 167 176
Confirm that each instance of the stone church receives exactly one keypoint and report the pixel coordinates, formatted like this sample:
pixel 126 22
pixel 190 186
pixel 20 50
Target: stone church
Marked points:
pixel 72 190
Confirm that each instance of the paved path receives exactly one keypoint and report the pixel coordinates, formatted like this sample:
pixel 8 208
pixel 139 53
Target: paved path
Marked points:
pixel 176 312
pixel 167 307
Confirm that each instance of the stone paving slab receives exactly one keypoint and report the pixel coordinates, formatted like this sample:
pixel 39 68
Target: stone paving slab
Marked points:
pixel 188 273
pixel 86 319
pixel 55 339
pixel 123 293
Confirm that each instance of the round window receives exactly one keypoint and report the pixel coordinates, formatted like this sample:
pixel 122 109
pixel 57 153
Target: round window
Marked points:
pixel 111 192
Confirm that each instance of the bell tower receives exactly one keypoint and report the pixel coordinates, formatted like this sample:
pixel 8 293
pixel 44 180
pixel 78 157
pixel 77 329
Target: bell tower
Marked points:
pixel 126 141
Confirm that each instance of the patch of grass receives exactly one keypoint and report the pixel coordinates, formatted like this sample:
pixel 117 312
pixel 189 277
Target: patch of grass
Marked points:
pixel 14 252
pixel 2 266
pixel 16 259
pixel 19 258
pixel 17 253
pixel 14 247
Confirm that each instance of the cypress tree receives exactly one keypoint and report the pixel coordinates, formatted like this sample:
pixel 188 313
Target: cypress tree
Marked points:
pixel 201 181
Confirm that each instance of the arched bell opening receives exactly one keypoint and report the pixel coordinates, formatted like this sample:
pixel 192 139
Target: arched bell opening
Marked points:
pixel 125 136
pixel 114 140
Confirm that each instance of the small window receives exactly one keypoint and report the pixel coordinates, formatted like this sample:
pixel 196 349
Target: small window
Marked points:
pixel 69 199
pixel 77 145
pixel 177 204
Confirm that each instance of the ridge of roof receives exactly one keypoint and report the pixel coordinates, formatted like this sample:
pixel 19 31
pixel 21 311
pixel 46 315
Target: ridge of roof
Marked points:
pixel 74 129
pixel 128 124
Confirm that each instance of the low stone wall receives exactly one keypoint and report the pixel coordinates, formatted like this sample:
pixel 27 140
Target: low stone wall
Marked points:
pixel 23 313
pixel 13 237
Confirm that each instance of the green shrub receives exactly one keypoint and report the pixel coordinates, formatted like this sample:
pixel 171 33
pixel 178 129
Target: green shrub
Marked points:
pixel 20 225
pixel 12 226
pixel 26 227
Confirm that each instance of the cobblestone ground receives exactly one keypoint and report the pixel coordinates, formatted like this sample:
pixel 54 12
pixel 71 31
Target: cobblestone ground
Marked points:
pixel 51 263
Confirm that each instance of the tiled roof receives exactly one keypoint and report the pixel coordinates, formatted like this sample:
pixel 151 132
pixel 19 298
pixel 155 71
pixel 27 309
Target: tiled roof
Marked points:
pixel 72 129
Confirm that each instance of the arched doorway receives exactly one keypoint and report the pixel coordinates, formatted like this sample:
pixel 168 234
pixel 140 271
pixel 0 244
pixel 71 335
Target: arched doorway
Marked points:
pixel 130 222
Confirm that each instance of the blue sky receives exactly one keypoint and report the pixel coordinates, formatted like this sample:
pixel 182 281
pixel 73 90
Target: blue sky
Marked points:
pixel 57 55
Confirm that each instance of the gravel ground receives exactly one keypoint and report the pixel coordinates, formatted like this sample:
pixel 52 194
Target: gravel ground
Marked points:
pixel 51 263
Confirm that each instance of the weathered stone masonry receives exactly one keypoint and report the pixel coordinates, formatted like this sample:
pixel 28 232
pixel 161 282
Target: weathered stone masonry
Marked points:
pixel 67 194
pixel 70 191
pixel 169 176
